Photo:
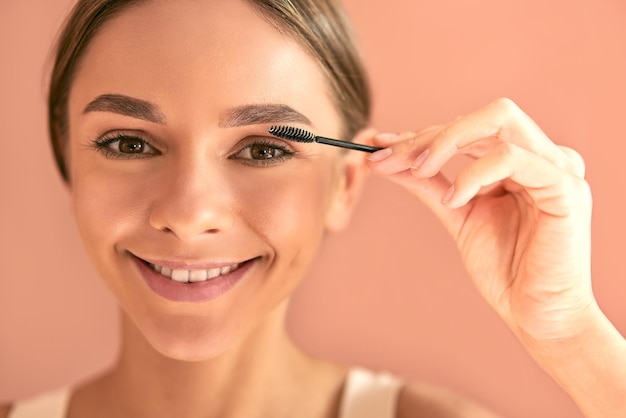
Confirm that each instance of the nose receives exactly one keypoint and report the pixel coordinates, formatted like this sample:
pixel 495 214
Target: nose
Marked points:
pixel 194 200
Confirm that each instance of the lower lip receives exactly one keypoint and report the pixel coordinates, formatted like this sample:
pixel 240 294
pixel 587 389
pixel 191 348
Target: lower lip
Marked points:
pixel 191 292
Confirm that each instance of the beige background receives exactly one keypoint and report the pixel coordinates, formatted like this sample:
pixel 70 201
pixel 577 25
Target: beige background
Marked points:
pixel 413 310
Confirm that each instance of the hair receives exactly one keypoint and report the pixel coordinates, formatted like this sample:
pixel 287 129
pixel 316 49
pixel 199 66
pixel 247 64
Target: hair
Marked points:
pixel 319 26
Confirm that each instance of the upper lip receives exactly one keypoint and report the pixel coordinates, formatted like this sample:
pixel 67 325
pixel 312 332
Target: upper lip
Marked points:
pixel 189 265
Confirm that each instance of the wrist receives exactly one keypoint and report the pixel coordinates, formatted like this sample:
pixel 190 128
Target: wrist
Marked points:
pixel 589 365
pixel 574 332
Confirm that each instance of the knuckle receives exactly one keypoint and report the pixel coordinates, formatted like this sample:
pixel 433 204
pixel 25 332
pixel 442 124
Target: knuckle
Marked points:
pixel 508 116
pixel 412 142
pixel 575 160
pixel 506 105
pixel 507 151
pixel 445 133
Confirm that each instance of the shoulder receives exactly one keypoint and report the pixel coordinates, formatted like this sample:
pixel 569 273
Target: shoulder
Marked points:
pixel 49 404
pixel 5 409
pixel 422 400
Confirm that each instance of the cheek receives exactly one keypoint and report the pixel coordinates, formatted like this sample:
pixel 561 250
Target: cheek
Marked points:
pixel 287 206
pixel 106 203
pixel 286 210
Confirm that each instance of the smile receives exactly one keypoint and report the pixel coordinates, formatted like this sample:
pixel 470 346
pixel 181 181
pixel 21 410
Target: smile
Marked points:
pixel 192 282
pixel 193 276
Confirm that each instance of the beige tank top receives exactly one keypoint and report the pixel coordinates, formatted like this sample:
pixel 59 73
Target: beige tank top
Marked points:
pixel 365 395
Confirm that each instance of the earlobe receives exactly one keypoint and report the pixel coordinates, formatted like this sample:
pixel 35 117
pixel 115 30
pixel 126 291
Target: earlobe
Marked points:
pixel 352 174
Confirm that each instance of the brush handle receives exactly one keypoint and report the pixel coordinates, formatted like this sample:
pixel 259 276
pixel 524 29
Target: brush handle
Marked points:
pixel 345 144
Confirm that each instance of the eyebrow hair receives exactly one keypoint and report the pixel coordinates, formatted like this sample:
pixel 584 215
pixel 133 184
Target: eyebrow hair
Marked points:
pixel 261 113
pixel 126 105
pixel 237 116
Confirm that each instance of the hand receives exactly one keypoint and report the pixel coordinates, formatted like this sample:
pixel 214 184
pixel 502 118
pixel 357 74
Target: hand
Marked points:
pixel 520 213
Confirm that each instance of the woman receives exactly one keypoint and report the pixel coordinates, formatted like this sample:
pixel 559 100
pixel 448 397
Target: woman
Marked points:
pixel 159 114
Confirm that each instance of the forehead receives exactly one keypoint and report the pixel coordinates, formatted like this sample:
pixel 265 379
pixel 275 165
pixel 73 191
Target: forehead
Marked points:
pixel 196 57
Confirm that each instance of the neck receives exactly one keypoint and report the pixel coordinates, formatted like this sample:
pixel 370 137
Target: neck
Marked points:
pixel 260 376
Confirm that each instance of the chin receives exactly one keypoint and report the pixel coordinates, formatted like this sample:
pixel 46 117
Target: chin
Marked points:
pixel 191 340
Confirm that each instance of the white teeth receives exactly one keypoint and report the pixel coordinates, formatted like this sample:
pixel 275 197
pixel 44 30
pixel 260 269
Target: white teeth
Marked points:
pixel 197 275
pixel 193 276
pixel 213 273
pixel 180 275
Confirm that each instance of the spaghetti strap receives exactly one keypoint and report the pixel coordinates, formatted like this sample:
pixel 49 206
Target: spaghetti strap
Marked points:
pixel 49 405
pixel 369 395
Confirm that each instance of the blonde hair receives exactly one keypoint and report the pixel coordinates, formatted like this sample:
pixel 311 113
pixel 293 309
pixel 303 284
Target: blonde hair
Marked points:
pixel 320 26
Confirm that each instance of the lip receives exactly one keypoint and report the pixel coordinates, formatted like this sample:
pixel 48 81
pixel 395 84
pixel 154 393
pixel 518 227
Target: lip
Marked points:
pixel 191 292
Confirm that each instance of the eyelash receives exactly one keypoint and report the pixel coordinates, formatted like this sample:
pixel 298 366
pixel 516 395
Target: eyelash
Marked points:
pixel 285 153
pixel 103 145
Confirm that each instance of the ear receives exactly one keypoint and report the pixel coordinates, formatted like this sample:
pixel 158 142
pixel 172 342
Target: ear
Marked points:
pixel 352 173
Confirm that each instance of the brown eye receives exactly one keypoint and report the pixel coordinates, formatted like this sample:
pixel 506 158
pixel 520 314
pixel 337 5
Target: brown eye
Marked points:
pixel 131 146
pixel 124 146
pixel 263 152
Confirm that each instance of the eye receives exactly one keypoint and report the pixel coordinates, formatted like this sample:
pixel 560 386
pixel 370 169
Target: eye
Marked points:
pixel 121 145
pixel 262 153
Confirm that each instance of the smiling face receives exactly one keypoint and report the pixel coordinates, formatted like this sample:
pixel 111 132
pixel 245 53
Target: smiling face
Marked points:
pixel 175 179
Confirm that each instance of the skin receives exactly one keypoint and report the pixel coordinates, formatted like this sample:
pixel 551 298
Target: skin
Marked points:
pixel 520 213
pixel 201 199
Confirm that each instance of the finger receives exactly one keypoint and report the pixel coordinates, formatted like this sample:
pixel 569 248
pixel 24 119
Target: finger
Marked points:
pixel 400 154
pixel 385 139
pixel 401 151
pixel 479 132
pixel 577 163
pixel 552 189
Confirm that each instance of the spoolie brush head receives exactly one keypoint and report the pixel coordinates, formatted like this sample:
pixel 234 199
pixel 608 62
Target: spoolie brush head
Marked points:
pixel 292 134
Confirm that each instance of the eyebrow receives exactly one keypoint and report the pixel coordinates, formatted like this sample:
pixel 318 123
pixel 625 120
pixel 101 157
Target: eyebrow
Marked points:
pixel 127 106
pixel 261 113
pixel 251 114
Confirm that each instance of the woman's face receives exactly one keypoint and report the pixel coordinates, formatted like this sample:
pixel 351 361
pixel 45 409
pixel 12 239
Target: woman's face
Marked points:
pixel 175 179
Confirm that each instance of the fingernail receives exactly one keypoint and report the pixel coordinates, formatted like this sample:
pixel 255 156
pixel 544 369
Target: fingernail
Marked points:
pixel 420 160
pixel 386 136
pixel 446 197
pixel 379 155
